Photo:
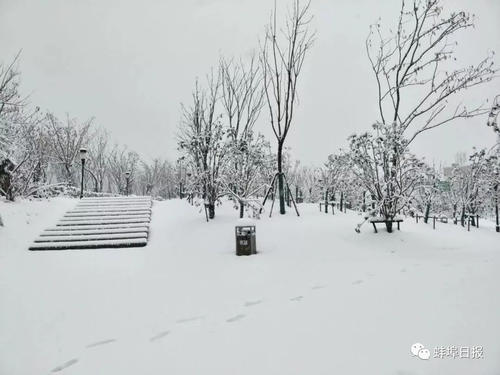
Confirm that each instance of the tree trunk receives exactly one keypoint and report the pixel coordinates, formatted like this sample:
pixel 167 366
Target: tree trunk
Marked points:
pixel 388 225
pixel 10 191
pixel 242 210
pixel 462 216
pixel 69 174
pixel 281 189
pixel 341 201
pixel 326 201
pixel 473 220
pixel 427 211
pixel 211 210
pixel 497 227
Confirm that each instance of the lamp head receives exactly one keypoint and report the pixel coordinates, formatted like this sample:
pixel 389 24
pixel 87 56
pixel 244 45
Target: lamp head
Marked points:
pixel 83 153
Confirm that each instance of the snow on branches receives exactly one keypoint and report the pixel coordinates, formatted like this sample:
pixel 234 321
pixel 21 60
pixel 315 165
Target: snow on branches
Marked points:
pixel 203 138
pixel 415 81
pixel 385 168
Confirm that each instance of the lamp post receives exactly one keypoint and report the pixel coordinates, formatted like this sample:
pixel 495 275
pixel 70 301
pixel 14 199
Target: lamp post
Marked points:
pixel 180 161
pixel 83 156
pixel 127 177
pixel 189 193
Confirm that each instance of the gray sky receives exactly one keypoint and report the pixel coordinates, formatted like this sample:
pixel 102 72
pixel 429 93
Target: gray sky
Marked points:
pixel 130 64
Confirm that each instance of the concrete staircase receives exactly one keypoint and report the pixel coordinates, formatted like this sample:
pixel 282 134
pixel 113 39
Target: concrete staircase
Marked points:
pixel 95 223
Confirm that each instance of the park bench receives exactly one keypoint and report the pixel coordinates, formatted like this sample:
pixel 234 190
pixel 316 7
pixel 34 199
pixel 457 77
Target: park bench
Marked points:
pixel 380 220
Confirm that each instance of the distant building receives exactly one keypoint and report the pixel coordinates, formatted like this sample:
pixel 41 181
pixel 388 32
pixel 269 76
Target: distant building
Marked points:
pixel 448 171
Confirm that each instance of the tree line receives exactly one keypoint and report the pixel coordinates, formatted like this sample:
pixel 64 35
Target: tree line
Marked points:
pixel 419 88
pixel 39 152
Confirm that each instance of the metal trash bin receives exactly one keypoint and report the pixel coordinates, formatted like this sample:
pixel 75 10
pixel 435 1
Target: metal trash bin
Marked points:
pixel 245 239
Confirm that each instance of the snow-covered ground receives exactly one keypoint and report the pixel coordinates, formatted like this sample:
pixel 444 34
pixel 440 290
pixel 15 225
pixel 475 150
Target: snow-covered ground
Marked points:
pixel 317 299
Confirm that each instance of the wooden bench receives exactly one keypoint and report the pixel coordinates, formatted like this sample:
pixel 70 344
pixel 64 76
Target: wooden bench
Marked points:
pixel 375 221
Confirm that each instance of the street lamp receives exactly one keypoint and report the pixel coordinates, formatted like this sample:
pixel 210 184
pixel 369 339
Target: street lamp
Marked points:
pixel 83 156
pixel 127 176
pixel 179 161
pixel 189 192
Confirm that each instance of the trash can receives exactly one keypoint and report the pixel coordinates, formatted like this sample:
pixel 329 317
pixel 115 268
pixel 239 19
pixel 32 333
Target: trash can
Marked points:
pixel 245 239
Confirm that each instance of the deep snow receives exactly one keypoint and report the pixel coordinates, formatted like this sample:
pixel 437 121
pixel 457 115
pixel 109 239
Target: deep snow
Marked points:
pixel 317 299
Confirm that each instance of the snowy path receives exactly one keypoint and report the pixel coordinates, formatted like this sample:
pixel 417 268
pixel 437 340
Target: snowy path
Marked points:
pixel 317 299
pixel 108 217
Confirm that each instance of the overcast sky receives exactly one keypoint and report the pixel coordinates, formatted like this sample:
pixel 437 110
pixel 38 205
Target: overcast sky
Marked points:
pixel 131 63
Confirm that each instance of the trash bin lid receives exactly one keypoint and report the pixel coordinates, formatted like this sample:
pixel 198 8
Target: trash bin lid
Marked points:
pixel 245 222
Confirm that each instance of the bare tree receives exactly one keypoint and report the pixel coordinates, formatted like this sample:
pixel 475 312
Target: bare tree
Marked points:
pixel 428 191
pixel 332 176
pixel 201 139
pixel 10 105
pixel 242 95
pixel 18 127
pixel 415 85
pixel 11 100
pixel 242 100
pixel 120 161
pixel 97 164
pixel 467 185
pixel 494 158
pixel 157 178
pixel 344 180
pixel 282 57
pixel 66 140
pixel 411 67
pixel 308 181
pixel 386 169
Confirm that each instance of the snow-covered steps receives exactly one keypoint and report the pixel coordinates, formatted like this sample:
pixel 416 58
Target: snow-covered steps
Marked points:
pixel 124 227
pixel 97 244
pixel 100 223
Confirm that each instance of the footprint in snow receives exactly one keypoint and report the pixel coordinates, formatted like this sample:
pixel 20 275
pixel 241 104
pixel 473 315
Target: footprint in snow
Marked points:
pixel 253 303
pixel 357 282
pixel 316 287
pixel 71 362
pixel 235 318
pixel 159 336
pixel 189 320
pixel 296 299
pixel 402 270
pixel 99 343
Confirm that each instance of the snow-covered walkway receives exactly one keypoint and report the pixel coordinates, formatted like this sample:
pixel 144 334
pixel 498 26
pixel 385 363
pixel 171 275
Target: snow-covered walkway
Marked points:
pixel 317 299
